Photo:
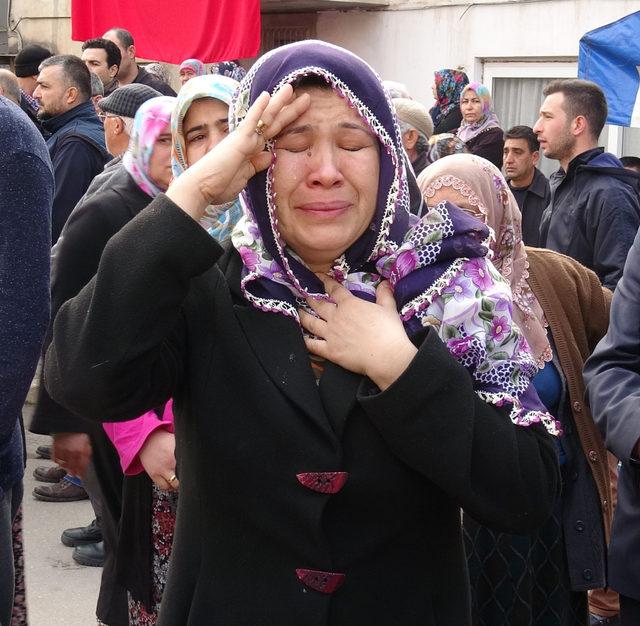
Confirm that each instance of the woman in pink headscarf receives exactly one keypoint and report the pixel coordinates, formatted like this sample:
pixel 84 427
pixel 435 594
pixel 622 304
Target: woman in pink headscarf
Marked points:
pixel 190 68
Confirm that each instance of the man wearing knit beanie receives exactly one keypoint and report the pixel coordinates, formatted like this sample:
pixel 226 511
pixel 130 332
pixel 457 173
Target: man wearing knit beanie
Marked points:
pixel 27 62
pixel 26 66
pixel 416 127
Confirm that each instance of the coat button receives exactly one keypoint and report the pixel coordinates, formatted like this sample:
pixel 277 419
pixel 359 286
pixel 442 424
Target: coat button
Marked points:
pixel 574 476
pixel 593 456
pixel 579 526
pixel 324 482
pixel 587 574
pixel 324 582
pixel 577 406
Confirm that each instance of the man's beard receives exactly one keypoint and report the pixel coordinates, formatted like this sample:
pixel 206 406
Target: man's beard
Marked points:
pixel 48 112
pixel 43 115
pixel 563 147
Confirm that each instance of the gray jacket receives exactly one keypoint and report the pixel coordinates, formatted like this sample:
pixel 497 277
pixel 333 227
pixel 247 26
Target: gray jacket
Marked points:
pixel 612 375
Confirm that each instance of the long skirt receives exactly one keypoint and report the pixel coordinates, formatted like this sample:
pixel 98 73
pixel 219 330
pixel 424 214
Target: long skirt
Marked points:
pixel 163 521
pixel 522 580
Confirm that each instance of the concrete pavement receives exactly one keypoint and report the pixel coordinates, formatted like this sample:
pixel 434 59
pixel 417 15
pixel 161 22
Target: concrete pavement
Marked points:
pixel 59 591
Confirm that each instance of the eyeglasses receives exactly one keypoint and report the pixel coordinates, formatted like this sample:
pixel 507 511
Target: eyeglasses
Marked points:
pixel 103 116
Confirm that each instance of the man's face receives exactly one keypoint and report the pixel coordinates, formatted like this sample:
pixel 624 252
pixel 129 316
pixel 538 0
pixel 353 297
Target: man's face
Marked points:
pixel 53 92
pixel 96 61
pixel 553 128
pixel 128 54
pixel 519 162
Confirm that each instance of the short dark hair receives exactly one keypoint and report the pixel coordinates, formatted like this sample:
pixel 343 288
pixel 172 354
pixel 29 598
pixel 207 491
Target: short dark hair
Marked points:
pixel 582 97
pixel 631 161
pixel 524 132
pixel 114 56
pixel 123 35
pixel 74 70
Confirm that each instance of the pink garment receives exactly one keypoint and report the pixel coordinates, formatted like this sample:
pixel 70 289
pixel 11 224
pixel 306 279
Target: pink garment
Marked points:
pixel 129 437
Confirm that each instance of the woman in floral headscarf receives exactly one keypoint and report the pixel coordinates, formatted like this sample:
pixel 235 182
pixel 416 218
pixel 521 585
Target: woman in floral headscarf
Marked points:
pixel 344 378
pixel 540 578
pixel 480 128
pixel 232 69
pixel 447 88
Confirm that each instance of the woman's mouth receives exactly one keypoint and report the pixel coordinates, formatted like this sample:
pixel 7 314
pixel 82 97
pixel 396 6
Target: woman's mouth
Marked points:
pixel 325 209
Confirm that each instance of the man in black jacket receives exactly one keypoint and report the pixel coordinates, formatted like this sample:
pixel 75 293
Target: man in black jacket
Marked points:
pixel 130 71
pixel 529 185
pixel 594 211
pixel 76 145
pixel 103 58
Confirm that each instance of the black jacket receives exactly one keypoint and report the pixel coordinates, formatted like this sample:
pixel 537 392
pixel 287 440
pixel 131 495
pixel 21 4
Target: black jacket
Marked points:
pixel 488 144
pixel 613 389
pixel 147 78
pixel 448 123
pixel 74 264
pixel 594 213
pixel 162 320
pixel 532 205
pixel 78 153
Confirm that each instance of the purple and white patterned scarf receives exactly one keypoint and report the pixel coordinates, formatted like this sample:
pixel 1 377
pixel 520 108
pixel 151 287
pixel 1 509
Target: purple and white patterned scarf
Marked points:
pixel 436 264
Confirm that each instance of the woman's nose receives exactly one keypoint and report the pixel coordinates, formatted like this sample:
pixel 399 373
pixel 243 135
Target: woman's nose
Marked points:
pixel 324 164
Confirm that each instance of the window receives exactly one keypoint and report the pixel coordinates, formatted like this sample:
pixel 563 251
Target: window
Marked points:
pixel 517 88
pixel 279 29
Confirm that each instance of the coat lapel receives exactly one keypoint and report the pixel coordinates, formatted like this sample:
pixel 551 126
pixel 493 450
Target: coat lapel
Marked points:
pixel 277 343
pixel 338 389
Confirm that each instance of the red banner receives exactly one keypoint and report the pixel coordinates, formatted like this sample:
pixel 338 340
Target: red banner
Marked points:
pixel 170 31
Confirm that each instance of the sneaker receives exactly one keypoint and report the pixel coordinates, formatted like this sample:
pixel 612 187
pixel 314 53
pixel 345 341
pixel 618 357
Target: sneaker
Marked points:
pixel 91 554
pixel 43 452
pixel 64 491
pixel 51 474
pixel 81 536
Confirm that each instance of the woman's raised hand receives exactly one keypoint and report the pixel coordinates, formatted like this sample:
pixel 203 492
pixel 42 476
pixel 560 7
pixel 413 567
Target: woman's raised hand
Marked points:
pixel 363 337
pixel 224 171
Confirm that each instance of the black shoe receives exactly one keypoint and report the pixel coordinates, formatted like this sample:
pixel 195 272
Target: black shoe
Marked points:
pixel 81 536
pixel 91 554
pixel 43 452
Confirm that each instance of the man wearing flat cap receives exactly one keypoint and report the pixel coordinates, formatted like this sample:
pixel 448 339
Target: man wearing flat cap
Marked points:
pixel 416 127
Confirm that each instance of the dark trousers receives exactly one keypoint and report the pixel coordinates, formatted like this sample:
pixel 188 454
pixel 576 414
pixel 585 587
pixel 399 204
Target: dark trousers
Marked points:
pixel 629 611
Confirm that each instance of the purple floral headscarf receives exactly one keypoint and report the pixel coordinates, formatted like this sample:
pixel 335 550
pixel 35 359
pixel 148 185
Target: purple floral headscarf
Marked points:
pixel 435 264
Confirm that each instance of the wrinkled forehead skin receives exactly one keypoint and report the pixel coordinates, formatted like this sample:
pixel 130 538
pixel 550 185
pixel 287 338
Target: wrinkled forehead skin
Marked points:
pixel 360 86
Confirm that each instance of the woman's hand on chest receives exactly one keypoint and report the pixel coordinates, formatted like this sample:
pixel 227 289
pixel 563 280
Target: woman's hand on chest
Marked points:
pixel 363 337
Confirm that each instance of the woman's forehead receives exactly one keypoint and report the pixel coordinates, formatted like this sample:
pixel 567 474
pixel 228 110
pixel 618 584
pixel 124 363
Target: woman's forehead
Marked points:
pixel 328 108
pixel 206 109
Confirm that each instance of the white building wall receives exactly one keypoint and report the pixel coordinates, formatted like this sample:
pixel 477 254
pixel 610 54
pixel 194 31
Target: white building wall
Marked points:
pixel 408 44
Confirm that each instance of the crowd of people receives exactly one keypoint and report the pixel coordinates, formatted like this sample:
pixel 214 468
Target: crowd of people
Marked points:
pixel 315 352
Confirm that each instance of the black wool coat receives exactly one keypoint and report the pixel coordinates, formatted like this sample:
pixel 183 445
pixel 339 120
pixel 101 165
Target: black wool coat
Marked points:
pixel 267 533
